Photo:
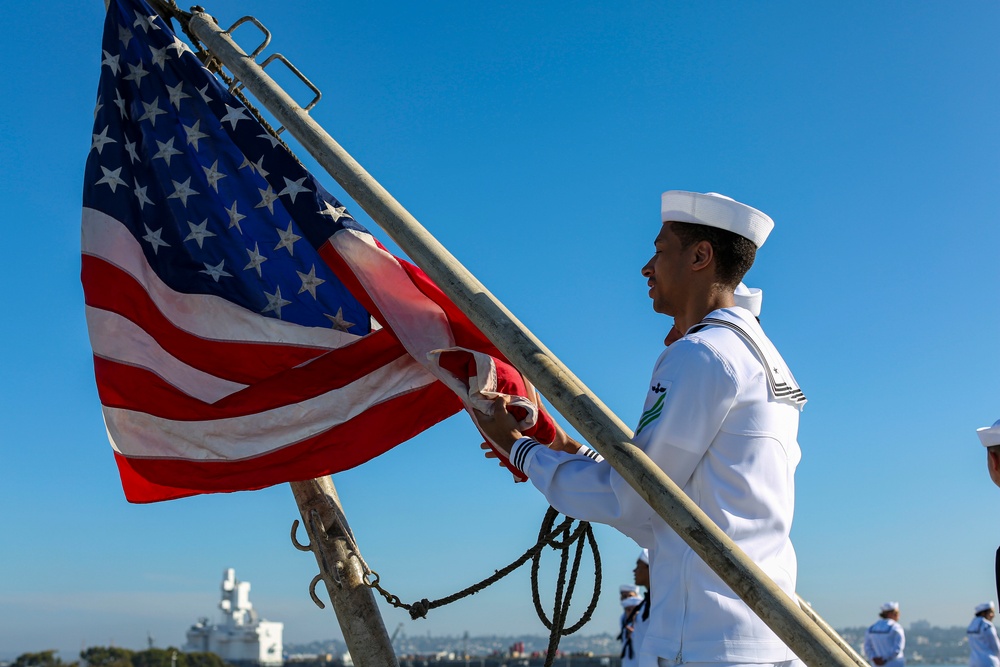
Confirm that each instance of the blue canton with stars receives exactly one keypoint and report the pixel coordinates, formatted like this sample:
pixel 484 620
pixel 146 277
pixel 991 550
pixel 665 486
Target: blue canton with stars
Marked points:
pixel 217 204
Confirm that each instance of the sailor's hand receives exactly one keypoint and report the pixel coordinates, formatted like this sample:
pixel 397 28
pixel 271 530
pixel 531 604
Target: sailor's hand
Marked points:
pixel 500 427
pixel 878 661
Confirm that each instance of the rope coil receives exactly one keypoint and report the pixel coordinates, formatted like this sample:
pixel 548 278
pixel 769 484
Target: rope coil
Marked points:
pixel 560 538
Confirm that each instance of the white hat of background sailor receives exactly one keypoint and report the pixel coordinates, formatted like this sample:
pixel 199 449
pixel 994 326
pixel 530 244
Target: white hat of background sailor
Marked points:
pixel 715 210
pixel 749 298
pixel 890 606
pixel 990 435
pixel 644 556
pixel 986 606
pixel 628 603
pixel 628 588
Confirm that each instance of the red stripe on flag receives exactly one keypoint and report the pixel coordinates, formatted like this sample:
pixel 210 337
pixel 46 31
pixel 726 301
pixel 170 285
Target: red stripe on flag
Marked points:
pixel 121 385
pixel 109 288
pixel 372 433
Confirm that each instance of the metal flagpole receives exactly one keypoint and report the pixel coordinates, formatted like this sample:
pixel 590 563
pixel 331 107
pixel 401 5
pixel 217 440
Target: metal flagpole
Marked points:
pixel 336 552
pixel 598 425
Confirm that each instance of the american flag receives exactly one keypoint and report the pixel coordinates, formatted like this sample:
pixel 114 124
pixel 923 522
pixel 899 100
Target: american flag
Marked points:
pixel 246 329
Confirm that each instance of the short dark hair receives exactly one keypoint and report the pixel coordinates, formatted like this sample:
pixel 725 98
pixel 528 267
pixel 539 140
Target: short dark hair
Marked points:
pixel 734 254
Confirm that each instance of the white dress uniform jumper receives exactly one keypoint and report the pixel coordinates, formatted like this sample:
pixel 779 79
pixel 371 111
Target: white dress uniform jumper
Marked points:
pixel 721 419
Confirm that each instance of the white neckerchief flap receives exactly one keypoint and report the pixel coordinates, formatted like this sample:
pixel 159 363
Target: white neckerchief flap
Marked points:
pixel 782 385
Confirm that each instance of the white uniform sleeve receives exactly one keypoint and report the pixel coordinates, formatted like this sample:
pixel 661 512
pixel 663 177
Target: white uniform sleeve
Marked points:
pixel 992 640
pixel 691 392
pixel 585 489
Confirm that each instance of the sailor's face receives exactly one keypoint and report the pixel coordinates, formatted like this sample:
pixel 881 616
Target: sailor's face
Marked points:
pixel 641 574
pixel 993 464
pixel 664 271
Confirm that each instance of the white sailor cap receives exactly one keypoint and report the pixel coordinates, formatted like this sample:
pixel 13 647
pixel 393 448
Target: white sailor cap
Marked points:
pixel 628 603
pixel 749 298
pixel 628 588
pixel 890 606
pixel 990 435
pixel 986 606
pixel 644 556
pixel 715 210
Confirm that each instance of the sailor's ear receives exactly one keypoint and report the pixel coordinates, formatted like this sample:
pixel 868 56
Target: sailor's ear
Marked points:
pixel 702 255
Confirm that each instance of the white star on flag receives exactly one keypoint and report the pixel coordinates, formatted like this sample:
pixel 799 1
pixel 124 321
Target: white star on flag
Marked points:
pixel 145 22
pixel 293 188
pixel 235 217
pixel 198 232
pixel 135 72
pixel 175 94
pixel 270 137
pixel 140 194
pixel 178 46
pixel 120 103
pixel 166 151
pixel 182 191
pixel 152 111
pixel 124 35
pixel 154 238
pixel 132 155
pixel 309 281
pixel 275 302
pixel 112 62
pixel 256 259
pixel 101 139
pixel 267 198
pixel 335 212
pixel 288 237
pixel 338 320
pixel 194 134
pixel 160 57
pixel 216 271
pixel 111 178
pixel 213 175
pixel 233 115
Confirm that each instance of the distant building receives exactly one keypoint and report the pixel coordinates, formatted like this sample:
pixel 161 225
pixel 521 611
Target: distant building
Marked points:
pixel 242 638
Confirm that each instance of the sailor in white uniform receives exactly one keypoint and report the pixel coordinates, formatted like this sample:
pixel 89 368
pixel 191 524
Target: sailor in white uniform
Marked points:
pixel 989 436
pixel 720 418
pixel 639 619
pixel 984 647
pixel 632 601
pixel 884 641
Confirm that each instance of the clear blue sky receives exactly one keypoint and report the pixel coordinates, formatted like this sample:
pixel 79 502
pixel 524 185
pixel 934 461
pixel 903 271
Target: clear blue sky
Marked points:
pixel 534 140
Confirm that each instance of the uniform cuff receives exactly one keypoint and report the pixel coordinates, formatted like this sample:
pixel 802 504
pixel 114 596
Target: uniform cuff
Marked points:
pixel 519 452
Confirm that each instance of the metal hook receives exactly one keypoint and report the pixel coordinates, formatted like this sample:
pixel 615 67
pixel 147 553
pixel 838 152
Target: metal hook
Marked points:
pixel 312 591
pixel 295 542
pixel 252 19
pixel 302 77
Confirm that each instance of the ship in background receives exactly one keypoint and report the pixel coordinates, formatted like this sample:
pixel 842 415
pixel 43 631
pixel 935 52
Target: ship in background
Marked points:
pixel 242 638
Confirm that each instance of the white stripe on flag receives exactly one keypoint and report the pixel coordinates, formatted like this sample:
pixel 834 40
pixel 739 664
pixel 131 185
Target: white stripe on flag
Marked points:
pixel 121 340
pixel 137 434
